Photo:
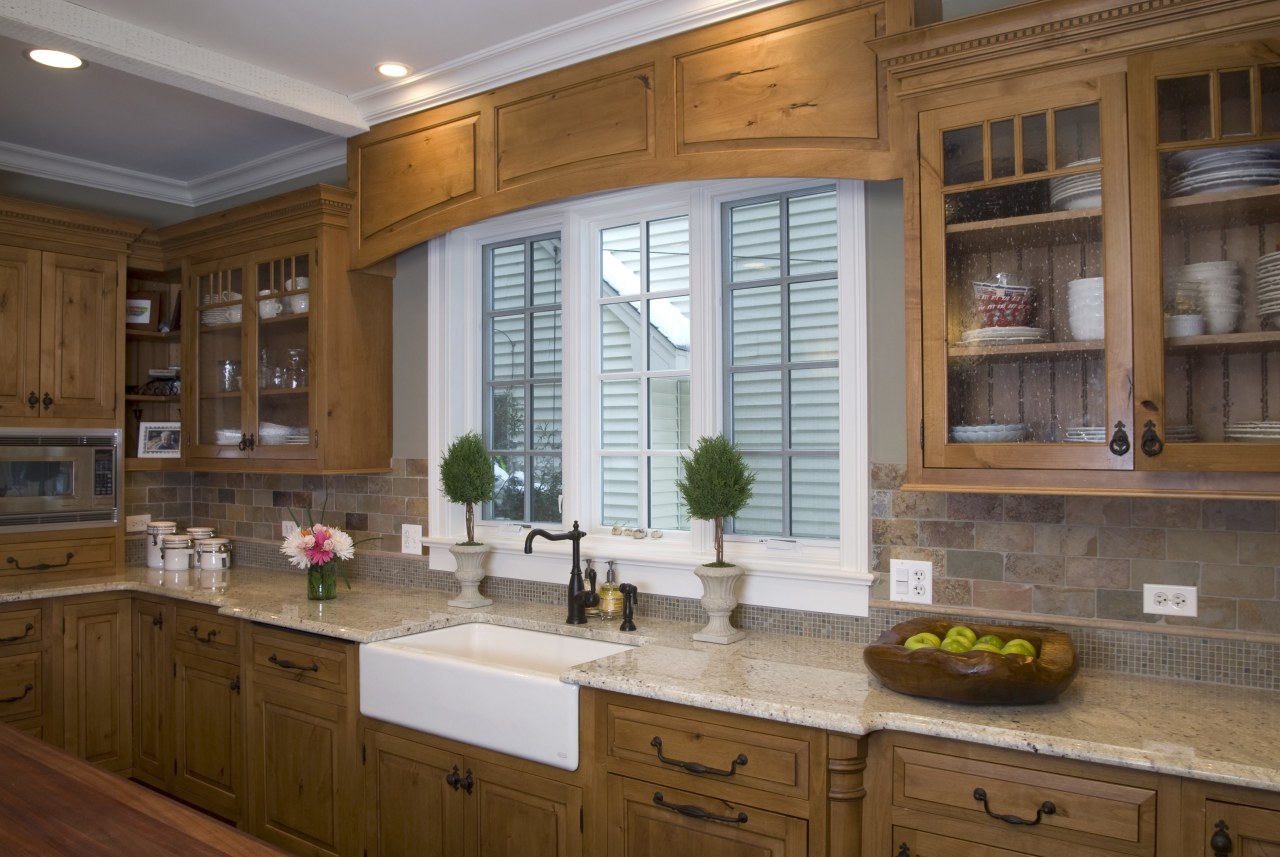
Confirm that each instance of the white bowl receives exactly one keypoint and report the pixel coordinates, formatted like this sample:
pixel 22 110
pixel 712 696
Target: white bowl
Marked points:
pixel 1183 325
pixel 994 433
pixel 1221 321
pixel 297 303
pixel 1090 284
pixel 295 283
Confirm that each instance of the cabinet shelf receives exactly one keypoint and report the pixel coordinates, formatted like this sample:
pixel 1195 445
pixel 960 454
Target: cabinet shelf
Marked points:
pixel 1253 206
pixel 1264 340
pixel 1004 227
pixel 136 397
pixel 153 335
pixel 1030 349
pixel 292 391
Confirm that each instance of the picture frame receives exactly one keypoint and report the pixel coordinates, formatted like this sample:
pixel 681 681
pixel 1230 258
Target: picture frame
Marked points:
pixel 160 440
pixel 142 310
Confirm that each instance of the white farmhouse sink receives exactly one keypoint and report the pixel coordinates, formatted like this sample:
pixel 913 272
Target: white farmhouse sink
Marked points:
pixel 487 685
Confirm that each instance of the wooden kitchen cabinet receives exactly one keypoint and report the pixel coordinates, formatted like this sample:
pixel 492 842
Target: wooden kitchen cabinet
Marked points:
pixel 96 668
pixel 1228 821
pixel 208 714
pixel 1123 187
pixel 940 796
pixel 302 743
pixel 729 785
pixel 29 691
pixel 426 796
pixel 153 723
pixel 286 353
pixel 61 334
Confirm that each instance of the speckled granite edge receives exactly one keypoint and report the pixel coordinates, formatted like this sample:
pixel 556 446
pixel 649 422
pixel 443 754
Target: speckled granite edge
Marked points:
pixel 1210 732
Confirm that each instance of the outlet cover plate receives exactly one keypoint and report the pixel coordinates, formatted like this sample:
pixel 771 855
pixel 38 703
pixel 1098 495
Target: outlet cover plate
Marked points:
pixel 411 539
pixel 911 580
pixel 136 523
pixel 288 528
pixel 1168 600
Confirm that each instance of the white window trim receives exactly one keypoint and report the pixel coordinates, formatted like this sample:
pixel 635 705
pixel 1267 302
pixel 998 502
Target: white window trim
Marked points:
pixel 788 573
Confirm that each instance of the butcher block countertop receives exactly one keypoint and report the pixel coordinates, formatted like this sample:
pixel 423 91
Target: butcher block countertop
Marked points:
pixel 1204 731
pixel 53 804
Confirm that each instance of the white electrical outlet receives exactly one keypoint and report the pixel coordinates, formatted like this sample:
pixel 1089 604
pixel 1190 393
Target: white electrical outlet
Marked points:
pixel 411 539
pixel 136 523
pixel 911 580
pixel 288 528
pixel 1169 600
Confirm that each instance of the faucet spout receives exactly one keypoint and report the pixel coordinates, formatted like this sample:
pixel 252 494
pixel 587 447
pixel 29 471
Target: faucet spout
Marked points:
pixel 577 606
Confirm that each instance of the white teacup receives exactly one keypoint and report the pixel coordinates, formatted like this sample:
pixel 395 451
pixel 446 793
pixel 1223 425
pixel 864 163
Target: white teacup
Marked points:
pixel 269 308
pixel 298 303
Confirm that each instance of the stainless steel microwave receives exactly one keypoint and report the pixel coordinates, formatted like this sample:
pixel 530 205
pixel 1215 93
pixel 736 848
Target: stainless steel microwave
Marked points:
pixel 59 478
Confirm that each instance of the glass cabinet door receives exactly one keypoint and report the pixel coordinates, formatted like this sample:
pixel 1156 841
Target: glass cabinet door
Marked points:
pixel 1209 386
pixel 281 351
pixel 1026 321
pixel 218 305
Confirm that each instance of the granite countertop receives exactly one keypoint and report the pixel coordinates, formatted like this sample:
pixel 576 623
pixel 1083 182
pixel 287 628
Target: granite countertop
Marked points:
pixel 1210 732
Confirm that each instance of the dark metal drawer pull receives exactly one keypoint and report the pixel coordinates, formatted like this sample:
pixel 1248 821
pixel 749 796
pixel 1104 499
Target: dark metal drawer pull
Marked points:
pixel 26 632
pixel 290 665
pixel 22 695
pixel 208 638
pixel 1046 808
pixel 44 566
pixel 1220 841
pixel 698 812
pixel 697 767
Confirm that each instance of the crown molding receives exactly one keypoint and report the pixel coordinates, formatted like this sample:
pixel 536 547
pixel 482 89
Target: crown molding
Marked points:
pixel 265 171
pixel 608 30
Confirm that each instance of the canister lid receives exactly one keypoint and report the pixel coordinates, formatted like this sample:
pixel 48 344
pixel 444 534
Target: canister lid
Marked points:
pixel 202 532
pixel 162 526
pixel 214 545
pixel 177 539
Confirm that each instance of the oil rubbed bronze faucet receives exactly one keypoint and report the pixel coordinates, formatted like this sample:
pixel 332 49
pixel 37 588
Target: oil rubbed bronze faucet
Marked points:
pixel 577 605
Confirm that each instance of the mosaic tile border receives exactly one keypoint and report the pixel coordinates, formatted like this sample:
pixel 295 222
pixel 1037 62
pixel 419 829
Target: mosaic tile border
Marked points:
pixel 1235 663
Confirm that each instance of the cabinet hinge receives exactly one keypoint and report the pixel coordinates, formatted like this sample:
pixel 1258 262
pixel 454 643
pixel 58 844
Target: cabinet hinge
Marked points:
pixel 175 669
pixel 580 823
pixel 175 766
pixel 922 433
pixel 364 754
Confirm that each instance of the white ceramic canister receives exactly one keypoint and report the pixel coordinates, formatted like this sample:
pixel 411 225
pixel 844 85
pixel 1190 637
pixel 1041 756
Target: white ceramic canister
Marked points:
pixel 198 534
pixel 156 530
pixel 215 563
pixel 176 548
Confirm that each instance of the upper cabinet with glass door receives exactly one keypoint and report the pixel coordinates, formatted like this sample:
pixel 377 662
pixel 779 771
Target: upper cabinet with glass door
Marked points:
pixel 1024 282
pixel 1206 164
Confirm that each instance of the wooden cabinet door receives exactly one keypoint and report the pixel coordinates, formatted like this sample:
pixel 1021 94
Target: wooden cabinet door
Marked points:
pixel 917 843
pixel 644 822
pixel 298 749
pixel 96 688
pixel 19 331
pixel 80 337
pixel 208 742
pixel 411 809
pixel 517 814
pixel 1245 831
pixel 152 691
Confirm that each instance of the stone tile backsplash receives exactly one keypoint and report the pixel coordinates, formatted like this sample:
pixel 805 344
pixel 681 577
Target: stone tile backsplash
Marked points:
pixel 1077 561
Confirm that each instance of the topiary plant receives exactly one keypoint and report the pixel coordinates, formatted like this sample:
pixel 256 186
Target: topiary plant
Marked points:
pixel 466 475
pixel 716 485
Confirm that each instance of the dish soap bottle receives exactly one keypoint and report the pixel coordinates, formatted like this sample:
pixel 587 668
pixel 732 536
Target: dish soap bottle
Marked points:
pixel 610 594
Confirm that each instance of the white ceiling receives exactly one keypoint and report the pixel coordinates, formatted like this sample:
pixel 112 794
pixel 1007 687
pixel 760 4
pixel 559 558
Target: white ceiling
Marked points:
pixel 186 103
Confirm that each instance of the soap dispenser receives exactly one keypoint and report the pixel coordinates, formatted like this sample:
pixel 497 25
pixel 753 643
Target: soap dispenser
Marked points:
pixel 610 594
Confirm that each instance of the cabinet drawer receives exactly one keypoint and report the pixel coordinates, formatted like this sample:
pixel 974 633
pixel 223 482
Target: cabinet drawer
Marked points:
pixel 20 626
pixel 20 687
pixel 301 659
pixel 204 631
pixel 1086 809
pixel 69 555
pixel 722 749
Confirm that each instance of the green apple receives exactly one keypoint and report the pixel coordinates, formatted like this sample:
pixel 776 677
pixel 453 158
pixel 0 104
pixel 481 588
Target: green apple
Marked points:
pixel 1018 646
pixel 923 640
pixel 985 647
pixel 963 631
pixel 991 640
pixel 955 644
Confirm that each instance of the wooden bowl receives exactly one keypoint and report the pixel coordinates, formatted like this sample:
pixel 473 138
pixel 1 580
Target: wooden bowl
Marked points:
pixel 975 678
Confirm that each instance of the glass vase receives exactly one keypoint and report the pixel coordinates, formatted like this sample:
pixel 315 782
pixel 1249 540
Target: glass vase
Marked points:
pixel 322 583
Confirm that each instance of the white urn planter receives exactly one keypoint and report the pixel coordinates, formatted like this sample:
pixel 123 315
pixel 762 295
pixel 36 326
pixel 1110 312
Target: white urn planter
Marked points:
pixel 720 596
pixel 470 571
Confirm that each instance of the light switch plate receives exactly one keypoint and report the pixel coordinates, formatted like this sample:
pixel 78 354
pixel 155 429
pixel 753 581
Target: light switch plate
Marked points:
pixel 411 539
pixel 136 523
pixel 288 528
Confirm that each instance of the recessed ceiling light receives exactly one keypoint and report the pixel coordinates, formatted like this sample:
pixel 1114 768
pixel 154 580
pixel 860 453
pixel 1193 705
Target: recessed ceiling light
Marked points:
pixel 393 69
pixel 55 59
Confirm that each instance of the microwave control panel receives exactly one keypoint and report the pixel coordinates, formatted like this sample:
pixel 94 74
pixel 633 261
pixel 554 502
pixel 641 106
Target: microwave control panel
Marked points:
pixel 104 473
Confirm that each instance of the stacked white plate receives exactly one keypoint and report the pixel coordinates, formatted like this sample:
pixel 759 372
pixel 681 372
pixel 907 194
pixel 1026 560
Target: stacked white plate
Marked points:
pixel 273 434
pixel 1085 305
pixel 227 437
pixel 216 316
pixel 1268 271
pixel 1181 434
pixel 1216 170
pixel 1087 434
pixel 1216 286
pixel 1082 190
pixel 1003 335
pixel 993 433
pixel 1254 432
